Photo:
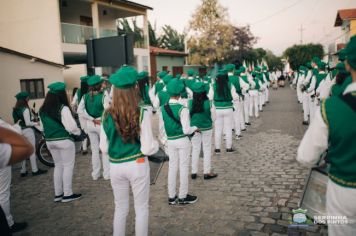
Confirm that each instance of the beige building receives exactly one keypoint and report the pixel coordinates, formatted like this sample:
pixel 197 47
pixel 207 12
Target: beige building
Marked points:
pixel 56 30
pixel 24 72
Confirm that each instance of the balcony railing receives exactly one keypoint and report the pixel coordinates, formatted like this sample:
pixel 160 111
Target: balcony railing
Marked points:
pixel 77 34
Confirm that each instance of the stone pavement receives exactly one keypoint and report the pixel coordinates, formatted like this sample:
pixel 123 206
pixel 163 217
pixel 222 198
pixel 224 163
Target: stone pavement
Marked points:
pixel 255 191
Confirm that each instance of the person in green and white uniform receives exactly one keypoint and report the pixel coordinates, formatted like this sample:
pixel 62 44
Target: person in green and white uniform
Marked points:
pixel 202 114
pixel 126 135
pixel 320 79
pixel 75 103
pixel 144 88
pixel 222 93
pixel 22 115
pixel 244 76
pixel 266 79
pixel 91 108
pixel 58 125
pixel 189 81
pixel 334 129
pixel 254 89
pixel 159 85
pixel 344 79
pixel 177 125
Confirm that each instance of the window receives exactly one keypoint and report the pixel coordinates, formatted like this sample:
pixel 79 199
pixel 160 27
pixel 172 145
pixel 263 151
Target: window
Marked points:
pixel 34 87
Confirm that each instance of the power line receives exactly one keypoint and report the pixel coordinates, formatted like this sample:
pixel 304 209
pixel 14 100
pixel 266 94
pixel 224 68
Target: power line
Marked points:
pixel 301 29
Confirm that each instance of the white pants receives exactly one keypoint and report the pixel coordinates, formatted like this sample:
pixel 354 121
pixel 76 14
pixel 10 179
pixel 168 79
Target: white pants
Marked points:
pixel 236 118
pixel 254 102
pixel 241 114
pixel 299 93
pixel 198 139
pixel 179 153
pixel 63 153
pixel 246 107
pixel 162 136
pixel 260 102
pixel 94 136
pixel 83 126
pixel 305 106
pixel 311 106
pixel 224 119
pixel 29 134
pixel 137 176
pixel 340 201
pixel 267 95
pixel 5 182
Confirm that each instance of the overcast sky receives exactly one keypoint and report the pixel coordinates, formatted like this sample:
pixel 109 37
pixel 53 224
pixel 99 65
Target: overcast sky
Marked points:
pixel 275 22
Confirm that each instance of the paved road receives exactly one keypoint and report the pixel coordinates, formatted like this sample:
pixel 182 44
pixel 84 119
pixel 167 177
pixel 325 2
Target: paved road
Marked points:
pixel 256 189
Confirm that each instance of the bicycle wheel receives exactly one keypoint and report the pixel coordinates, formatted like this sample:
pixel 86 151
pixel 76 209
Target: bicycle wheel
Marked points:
pixel 43 154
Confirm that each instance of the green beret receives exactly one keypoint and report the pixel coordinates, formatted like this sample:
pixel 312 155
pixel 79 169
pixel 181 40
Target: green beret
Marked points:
pixel 125 77
pixel 316 60
pixel 308 65
pixel 321 65
pixel 22 95
pixel 230 67
pixel 175 87
pixel 167 78
pixel 84 78
pixel 264 67
pixel 190 72
pixel 199 87
pixel 56 87
pixel 142 75
pixel 238 72
pixel 242 69
pixel 221 72
pixel 254 73
pixel 258 69
pixel 350 52
pixel 162 74
pixel 342 55
pixel 340 67
pixel 178 76
pixel 94 80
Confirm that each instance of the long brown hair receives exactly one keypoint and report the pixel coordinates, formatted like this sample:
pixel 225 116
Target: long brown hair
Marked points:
pixel 21 103
pixel 126 113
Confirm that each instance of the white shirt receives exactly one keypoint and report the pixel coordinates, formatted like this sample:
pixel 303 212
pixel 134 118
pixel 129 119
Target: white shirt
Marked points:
pixel 27 118
pixel 149 145
pixel 315 140
pixel 68 121
pixel 5 154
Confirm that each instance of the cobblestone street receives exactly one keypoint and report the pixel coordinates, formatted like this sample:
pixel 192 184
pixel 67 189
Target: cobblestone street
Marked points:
pixel 255 191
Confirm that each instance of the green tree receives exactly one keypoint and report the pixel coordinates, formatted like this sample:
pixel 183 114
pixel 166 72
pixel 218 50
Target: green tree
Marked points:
pixel 152 35
pixel 124 27
pixel 273 61
pixel 171 39
pixel 298 55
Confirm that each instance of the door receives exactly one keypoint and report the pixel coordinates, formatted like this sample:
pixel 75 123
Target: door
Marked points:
pixel 177 70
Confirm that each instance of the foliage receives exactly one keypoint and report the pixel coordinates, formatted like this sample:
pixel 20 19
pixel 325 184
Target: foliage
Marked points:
pixel 298 55
pixel 171 39
pixel 124 27
pixel 152 35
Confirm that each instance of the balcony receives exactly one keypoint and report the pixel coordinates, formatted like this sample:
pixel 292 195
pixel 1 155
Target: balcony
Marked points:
pixel 77 34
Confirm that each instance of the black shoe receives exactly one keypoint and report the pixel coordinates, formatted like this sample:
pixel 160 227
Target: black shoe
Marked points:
pixel 261 110
pixel 230 150
pixel 71 197
pixel 210 176
pixel 194 176
pixel 24 174
pixel 17 227
pixel 39 172
pixel 85 152
pixel 264 105
pixel 189 199
pixel 243 130
pixel 305 123
pixel 217 151
pixel 58 198
pixel 240 136
pixel 172 201
pixel 247 123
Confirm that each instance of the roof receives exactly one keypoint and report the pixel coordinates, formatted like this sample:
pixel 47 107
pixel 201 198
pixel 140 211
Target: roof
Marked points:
pixel 166 52
pixel 10 51
pixel 344 14
pixel 132 4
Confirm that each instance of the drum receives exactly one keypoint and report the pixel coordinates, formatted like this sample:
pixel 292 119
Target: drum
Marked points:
pixel 156 162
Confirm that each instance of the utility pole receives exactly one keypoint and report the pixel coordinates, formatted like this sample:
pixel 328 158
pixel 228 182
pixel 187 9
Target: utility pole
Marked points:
pixel 301 29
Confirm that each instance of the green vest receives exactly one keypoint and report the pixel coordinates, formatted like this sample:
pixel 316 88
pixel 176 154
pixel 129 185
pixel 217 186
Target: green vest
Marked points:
pixel 119 151
pixel 53 128
pixel 319 77
pixel 341 121
pixel 267 76
pixel 338 89
pixel 203 119
pixel 234 80
pixel 163 97
pixel 223 102
pixel 94 105
pixel 145 97
pixel 159 85
pixel 17 115
pixel 173 129
pixel 189 82
pixel 257 84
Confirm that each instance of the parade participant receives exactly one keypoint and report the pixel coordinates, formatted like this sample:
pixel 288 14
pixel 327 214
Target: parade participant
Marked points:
pixel 13 148
pixel 304 85
pixel 222 93
pixel 243 75
pixel 189 81
pixel 22 115
pixel 91 108
pixel 259 76
pixel 320 80
pixel 334 129
pixel 341 77
pixel 144 88
pixel 255 87
pixel 75 102
pixel 266 79
pixel 126 135
pixel 158 86
pixel 58 125
pixel 299 81
pixel 177 126
pixel 202 115
pixel 310 88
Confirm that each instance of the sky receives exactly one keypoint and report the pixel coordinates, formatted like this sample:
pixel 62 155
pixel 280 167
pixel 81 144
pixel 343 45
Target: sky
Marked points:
pixel 276 23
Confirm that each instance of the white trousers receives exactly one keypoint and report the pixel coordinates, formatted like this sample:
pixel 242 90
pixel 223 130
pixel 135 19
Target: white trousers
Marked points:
pixel 137 176
pixel 179 156
pixel 254 102
pixel 83 126
pixel 247 107
pixel 63 153
pixel 305 106
pixel 260 102
pixel 29 134
pixel 340 201
pixel 5 182
pixel 241 114
pixel 224 119
pixel 199 139
pixel 266 95
pixel 236 118
pixel 94 136
pixel 162 136
pixel 311 106
pixel 299 93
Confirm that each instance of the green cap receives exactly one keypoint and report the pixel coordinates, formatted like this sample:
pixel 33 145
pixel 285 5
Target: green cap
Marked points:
pixel 350 52
pixel 84 78
pixel 340 67
pixel 321 65
pixel 167 78
pixel 178 76
pixel 316 60
pixel 238 72
pixel 22 95
pixel 342 54
pixel 175 87
pixel 264 67
pixel 142 75
pixel 254 73
pixel 190 72
pixel 199 87
pixel 258 69
pixel 125 77
pixel 162 74
pixel 230 67
pixel 308 65
pixel 56 87
pixel 94 80
pixel 242 69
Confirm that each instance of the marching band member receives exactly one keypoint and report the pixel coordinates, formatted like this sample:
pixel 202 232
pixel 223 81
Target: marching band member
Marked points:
pixel 144 88
pixel 255 87
pixel 244 77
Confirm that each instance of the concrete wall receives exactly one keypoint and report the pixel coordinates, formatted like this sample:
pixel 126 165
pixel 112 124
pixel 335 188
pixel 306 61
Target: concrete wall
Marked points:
pixel 13 68
pixel 73 74
pixel 142 59
pixel 169 62
pixel 352 28
pixel 32 27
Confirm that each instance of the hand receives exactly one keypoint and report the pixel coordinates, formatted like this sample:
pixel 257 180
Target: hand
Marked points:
pixel 197 131
pixel 97 122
